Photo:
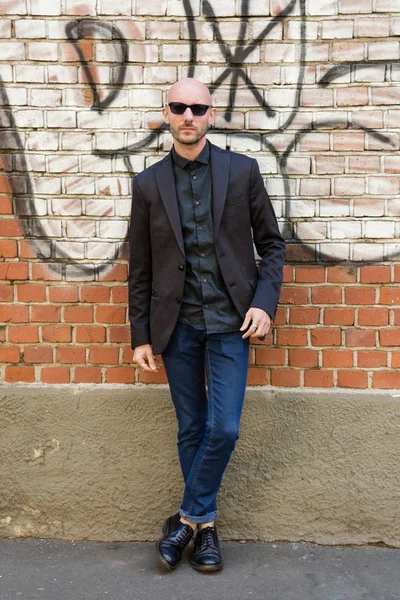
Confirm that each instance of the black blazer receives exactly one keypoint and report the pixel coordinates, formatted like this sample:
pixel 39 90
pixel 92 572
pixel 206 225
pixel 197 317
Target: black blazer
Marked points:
pixel 240 205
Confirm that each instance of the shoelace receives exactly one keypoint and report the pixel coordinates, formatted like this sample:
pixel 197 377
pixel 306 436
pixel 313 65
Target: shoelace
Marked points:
pixel 207 538
pixel 181 536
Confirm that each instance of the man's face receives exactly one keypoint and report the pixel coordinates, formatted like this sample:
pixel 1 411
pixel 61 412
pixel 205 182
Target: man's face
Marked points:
pixel 187 128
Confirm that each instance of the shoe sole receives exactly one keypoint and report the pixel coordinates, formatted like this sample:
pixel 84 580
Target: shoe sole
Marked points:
pixel 206 568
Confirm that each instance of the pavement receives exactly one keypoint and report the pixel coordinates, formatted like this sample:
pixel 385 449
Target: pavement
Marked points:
pixel 38 569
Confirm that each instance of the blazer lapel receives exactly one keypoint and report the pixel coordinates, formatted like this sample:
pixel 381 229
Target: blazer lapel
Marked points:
pixel 166 185
pixel 220 165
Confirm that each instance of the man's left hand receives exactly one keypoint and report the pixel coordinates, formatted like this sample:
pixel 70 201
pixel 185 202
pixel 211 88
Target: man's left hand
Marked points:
pixel 259 322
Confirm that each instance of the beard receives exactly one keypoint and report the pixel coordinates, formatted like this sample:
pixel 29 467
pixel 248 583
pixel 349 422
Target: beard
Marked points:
pixel 188 137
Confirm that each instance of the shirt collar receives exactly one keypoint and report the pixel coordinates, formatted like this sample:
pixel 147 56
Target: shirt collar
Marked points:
pixel 203 157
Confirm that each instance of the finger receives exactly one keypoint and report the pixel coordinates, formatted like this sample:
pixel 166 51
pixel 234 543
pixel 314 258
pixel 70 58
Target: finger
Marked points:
pixel 150 360
pixel 245 322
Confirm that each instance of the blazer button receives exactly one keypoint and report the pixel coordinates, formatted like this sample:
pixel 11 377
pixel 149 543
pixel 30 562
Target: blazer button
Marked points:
pixel 178 299
pixel 181 267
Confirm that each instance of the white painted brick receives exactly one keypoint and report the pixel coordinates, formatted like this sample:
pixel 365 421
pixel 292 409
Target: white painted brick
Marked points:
pixel 346 229
pixel 8 142
pixel 5 28
pixel 229 30
pixel 222 8
pixel 133 74
pixel 202 73
pixel 15 7
pixel 316 51
pixel 278 6
pixel 301 120
pixel 394 208
pixel 263 75
pixel 63 163
pixel 311 230
pixel 383 50
pixel 113 186
pixel 61 118
pixel 277 205
pixel 66 207
pixel 392 250
pixel 371 27
pixel 386 6
pixel 349 186
pixel 300 208
pixel 322 70
pixel 75 272
pixel 24 207
pixel 62 74
pixel 371 73
pixel 152 7
pixel 165 30
pixel 79 185
pixel 146 97
pixel 395 25
pixel 51 227
pixel 322 7
pixel 176 52
pixel 46 7
pixel 282 97
pixel 368 118
pixel 254 9
pixel 342 29
pixel 329 119
pixel 315 187
pixel 384 185
pixel 110 7
pixel 151 120
pixel 131 30
pixel 336 251
pixel 260 120
pixel 368 252
pixel 244 97
pixel 30 162
pixel 160 74
pixel 46 185
pixel 42 140
pixel 30 28
pixel 96 164
pixel 48 98
pixel 127 119
pixel 76 140
pixel 109 140
pixel 101 207
pixel 57 31
pixel 85 228
pixel 259 28
pixel 123 208
pixel 101 250
pixel 113 229
pixel 43 51
pixel 15 97
pixel 380 229
pixel 298 165
pixel 70 249
pixel 334 208
pixel 152 160
pixel 391 141
pixel 28 118
pixel 296 30
pixel 136 162
pixel 368 207
pixel 93 120
pixel 245 142
pixel 12 51
pixel 78 7
pixel 395 74
pixel 245 54
pixel 279 53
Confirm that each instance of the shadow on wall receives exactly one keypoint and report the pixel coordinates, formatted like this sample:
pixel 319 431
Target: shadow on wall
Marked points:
pixel 26 188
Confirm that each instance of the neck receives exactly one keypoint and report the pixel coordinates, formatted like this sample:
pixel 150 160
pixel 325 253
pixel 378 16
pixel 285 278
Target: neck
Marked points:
pixel 190 151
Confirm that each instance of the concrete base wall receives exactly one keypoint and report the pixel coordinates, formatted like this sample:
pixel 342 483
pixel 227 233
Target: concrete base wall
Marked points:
pixel 101 463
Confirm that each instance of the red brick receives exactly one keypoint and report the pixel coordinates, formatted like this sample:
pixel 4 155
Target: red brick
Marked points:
pixel 396 317
pixel 38 354
pixel 9 354
pixel 390 336
pixel 293 295
pixel 117 273
pixel 159 376
pixel 20 373
pixel 90 333
pixel 285 377
pixel 103 355
pixel 304 316
pixel 326 295
pixel 5 184
pixel 396 360
pixel 270 356
pixel 56 333
pixel 359 295
pixel 303 357
pixel 360 338
pixel 127 355
pixel 25 250
pixel 288 273
pixel 280 316
pixel 373 316
pixel 40 271
pixel 318 378
pixel 12 271
pixel 64 293
pixel 8 248
pixel 30 292
pixel 54 375
pixel 11 228
pixel 87 375
pixel 292 337
pixel 119 334
pixel 6 207
pixel 69 53
pixel 325 336
pixel 386 380
pixel 368 359
pixel 352 379
pixel 23 333
pixel 120 375
pixel 390 295
pixel 397 274
pixel 95 293
pixel 119 294
pixel 111 314
pixel 372 274
pixel 337 358
pixel 46 313
pixel 14 314
pixel 6 292
pixel 255 376
pixel 78 314
pixel 309 274
pixel 339 316
pixel 70 354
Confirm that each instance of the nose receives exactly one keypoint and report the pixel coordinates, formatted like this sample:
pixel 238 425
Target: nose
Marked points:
pixel 188 115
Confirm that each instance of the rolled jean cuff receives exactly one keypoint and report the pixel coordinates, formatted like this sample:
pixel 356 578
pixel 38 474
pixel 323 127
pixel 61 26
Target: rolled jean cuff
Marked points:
pixel 202 519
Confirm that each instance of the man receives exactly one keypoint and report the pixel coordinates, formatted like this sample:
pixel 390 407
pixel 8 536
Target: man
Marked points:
pixel 196 297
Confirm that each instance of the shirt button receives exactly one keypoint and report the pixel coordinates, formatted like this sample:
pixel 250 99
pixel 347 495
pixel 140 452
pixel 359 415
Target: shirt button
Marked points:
pixel 194 176
pixel 200 227
pixel 205 280
pixel 178 299
pixel 206 306
pixel 181 267
pixel 202 254
pixel 197 203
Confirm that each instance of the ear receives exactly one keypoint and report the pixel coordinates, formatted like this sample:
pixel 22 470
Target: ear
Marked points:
pixel 211 116
pixel 165 114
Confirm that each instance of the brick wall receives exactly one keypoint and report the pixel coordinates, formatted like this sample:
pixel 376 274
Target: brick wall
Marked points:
pixel 309 88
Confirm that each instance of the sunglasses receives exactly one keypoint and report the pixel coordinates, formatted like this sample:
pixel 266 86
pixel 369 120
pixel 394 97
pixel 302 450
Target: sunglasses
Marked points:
pixel 198 110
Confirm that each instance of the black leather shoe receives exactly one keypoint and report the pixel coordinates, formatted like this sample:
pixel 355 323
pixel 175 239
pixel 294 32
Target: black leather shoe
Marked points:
pixel 206 551
pixel 176 537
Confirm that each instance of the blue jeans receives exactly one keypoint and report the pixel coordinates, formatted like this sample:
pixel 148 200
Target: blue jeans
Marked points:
pixel 208 420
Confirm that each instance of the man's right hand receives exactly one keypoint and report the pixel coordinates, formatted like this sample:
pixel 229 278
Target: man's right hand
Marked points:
pixel 143 355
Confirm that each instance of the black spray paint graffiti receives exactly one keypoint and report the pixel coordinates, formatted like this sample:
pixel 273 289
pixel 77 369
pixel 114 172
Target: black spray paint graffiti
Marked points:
pixel 23 187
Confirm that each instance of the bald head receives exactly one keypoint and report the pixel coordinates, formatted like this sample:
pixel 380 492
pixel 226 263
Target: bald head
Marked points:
pixel 190 91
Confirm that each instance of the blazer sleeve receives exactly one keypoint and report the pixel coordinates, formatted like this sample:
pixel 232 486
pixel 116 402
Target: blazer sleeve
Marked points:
pixel 140 270
pixel 269 243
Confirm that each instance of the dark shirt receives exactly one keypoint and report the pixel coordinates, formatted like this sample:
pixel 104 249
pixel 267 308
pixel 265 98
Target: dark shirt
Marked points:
pixel 206 303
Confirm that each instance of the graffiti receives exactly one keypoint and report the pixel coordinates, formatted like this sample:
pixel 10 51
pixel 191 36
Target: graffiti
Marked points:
pixel 38 229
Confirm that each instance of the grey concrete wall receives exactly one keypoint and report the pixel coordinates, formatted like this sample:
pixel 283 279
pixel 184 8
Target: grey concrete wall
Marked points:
pixel 101 463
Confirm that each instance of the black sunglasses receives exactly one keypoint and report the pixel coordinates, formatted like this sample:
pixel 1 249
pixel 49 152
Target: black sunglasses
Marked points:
pixel 198 110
